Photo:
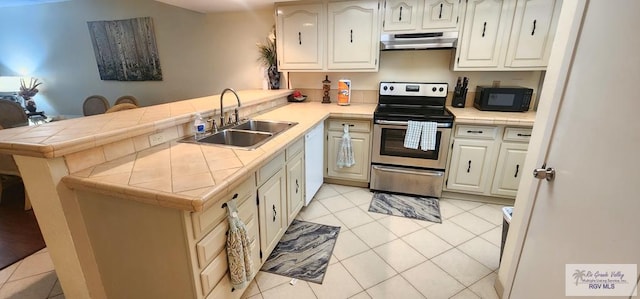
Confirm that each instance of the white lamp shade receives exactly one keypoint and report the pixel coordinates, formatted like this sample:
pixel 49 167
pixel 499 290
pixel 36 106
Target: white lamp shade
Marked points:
pixel 9 83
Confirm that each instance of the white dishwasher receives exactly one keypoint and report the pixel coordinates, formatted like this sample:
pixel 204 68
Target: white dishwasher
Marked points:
pixel 313 161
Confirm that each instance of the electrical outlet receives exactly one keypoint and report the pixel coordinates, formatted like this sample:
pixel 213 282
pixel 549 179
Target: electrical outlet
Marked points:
pixel 156 139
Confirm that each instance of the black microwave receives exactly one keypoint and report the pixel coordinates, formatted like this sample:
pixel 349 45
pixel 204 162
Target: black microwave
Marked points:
pixel 508 99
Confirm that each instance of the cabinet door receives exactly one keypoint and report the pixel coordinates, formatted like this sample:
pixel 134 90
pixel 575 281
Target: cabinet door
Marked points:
pixel 509 169
pixel 300 36
pixel 483 33
pixel 532 33
pixel 440 14
pixel 272 208
pixel 400 15
pixel 470 165
pixel 360 144
pixel 354 38
pixel 295 186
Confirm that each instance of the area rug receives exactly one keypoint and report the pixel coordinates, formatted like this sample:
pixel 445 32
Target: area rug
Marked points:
pixel 20 235
pixel 303 252
pixel 421 208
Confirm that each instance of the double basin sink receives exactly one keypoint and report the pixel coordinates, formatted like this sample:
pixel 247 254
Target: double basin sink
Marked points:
pixel 246 135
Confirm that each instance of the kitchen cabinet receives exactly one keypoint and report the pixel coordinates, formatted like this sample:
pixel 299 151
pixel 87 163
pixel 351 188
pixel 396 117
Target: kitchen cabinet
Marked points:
pixel 300 35
pixel 295 179
pixel 441 15
pixel 360 132
pixel 334 36
pixel 507 35
pixel 400 15
pixel 470 165
pixel 413 16
pixel 476 166
pixel 354 36
pixel 272 204
pixel 532 33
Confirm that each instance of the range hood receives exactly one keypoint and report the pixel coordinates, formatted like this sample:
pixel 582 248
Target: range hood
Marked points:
pixel 419 41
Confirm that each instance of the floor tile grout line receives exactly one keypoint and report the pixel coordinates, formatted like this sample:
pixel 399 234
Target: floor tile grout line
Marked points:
pixel 36 274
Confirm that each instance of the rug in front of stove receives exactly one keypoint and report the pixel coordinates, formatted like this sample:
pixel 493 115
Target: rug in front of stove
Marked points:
pixel 421 208
pixel 303 252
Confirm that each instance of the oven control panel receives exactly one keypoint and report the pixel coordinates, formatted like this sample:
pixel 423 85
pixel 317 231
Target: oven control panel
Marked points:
pixel 414 89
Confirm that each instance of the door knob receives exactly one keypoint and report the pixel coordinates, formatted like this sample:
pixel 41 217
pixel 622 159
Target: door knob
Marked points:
pixel 544 173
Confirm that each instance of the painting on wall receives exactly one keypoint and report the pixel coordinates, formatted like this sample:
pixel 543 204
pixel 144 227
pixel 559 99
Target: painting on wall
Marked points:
pixel 126 50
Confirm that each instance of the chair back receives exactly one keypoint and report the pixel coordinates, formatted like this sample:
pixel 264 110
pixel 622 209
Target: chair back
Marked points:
pixel 95 105
pixel 127 99
pixel 120 107
pixel 12 115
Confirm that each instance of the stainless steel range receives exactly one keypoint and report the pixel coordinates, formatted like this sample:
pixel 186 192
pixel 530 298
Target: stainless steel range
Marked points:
pixel 395 168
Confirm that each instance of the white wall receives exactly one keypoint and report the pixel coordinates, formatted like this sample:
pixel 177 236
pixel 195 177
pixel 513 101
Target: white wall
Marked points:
pixel 52 42
pixel 415 66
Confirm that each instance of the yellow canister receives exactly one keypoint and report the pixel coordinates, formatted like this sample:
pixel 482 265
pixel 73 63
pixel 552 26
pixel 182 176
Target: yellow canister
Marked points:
pixel 344 92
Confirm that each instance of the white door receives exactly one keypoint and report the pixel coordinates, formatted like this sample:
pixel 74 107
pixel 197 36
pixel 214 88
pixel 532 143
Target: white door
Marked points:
pixel 587 128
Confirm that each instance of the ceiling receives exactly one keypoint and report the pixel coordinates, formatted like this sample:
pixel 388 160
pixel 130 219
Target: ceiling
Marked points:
pixel 7 3
pixel 203 6
pixel 206 6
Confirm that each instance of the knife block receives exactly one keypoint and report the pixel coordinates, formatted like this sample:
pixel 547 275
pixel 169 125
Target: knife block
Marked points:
pixel 459 98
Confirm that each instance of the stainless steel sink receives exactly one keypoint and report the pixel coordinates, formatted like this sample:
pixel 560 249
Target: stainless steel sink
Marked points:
pixel 248 135
pixel 265 126
pixel 237 138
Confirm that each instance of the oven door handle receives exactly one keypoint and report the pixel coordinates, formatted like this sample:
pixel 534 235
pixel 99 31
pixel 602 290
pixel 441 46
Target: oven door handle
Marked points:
pixel 408 171
pixel 406 123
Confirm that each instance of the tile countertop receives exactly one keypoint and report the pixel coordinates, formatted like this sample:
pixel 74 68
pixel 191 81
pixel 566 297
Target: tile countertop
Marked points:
pixel 188 176
pixel 56 139
pixel 471 115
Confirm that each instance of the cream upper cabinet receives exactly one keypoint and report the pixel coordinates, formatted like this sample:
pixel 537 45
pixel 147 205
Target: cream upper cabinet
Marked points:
pixel 440 14
pixel 407 16
pixel 507 35
pixel 482 34
pixel 400 15
pixel 300 35
pixel 354 37
pixel 532 33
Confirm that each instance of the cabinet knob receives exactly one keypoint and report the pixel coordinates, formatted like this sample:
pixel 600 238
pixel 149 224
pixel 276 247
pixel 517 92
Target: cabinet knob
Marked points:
pixel 469 167
pixel 440 15
pixel 534 28
pixel 400 18
pixel 300 38
pixel 484 28
pixel 274 213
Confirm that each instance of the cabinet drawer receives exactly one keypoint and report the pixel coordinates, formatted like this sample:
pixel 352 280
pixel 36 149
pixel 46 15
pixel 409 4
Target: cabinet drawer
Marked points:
pixel 205 220
pixel 211 275
pixel 517 134
pixel 479 132
pixel 268 170
pixel 295 148
pixel 215 241
pixel 354 125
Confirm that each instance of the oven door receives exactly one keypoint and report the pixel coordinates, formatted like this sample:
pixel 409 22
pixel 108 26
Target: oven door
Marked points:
pixel 388 146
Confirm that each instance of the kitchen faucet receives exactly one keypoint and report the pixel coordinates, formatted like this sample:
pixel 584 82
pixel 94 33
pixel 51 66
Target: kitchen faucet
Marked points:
pixel 221 106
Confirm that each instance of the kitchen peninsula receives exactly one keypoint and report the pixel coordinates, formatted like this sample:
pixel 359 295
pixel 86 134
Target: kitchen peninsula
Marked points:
pixel 133 156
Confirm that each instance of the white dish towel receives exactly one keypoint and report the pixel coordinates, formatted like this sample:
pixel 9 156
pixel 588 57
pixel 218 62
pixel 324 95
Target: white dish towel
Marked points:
pixel 412 136
pixel 345 152
pixel 428 138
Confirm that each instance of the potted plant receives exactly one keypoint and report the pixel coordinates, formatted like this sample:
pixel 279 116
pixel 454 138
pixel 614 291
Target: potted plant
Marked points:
pixel 268 58
pixel 29 91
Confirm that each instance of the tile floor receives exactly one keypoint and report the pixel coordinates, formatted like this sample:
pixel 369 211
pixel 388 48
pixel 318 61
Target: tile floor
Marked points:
pixel 376 256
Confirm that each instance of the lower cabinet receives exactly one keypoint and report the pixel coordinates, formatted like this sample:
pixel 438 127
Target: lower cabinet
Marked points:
pixel 150 251
pixel 470 165
pixel 272 207
pixel 487 160
pixel 295 186
pixel 360 132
